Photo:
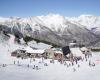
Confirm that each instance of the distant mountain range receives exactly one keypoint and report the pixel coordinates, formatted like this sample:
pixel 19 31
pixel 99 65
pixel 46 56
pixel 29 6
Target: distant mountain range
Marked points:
pixel 54 29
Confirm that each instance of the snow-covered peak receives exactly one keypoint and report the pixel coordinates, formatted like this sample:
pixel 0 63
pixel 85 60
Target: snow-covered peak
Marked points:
pixel 56 21
pixel 90 21
pixel 3 19
pixel 86 15
pixel 53 19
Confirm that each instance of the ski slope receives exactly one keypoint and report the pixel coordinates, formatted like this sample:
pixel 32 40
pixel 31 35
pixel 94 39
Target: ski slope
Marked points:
pixel 23 68
pixel 54 71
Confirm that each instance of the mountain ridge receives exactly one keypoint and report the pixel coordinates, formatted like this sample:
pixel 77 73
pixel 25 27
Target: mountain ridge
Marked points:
pixel 52 28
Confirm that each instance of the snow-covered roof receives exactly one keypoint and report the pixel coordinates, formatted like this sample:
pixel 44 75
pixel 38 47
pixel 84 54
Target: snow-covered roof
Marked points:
pixel 30 50
pixel 39 45
pixel 83 49
pixel 59 52
pixel 71 44
pixel 76 52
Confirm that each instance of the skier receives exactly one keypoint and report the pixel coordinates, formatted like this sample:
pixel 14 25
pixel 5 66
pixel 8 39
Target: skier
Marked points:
pixel 78 65
pixel 37 68
pixel 28 65
pixel 89 63
pixel 34 67
pixel 45 64
pixel 74 69
pixel 14 62
pixel 18 63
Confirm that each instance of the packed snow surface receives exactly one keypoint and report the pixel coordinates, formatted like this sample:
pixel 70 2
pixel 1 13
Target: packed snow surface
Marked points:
pixel 23 69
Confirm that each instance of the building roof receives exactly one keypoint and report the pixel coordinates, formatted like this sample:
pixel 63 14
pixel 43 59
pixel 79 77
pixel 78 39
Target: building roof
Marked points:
pixel 30 50
pixel 83 49
pixel 76 52
pixel 59 52
pixel 71 44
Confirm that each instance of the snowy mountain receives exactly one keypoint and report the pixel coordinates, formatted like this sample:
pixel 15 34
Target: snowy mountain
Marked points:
pixel 90 21
pixel 31 27
pixel 68 29
pixel 53 28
